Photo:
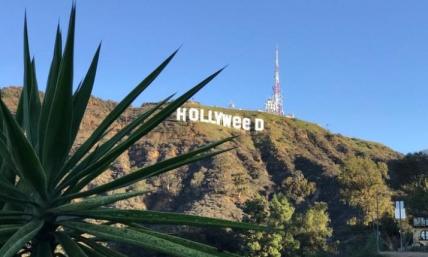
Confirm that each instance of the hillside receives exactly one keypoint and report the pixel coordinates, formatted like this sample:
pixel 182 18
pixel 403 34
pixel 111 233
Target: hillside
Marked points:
pixel 274 160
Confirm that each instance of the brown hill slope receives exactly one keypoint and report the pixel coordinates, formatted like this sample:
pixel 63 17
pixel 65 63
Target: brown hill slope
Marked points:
pixel 269 161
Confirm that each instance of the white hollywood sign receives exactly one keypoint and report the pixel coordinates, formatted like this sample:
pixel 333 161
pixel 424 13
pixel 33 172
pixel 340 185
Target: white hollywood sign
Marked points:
pixel 219 118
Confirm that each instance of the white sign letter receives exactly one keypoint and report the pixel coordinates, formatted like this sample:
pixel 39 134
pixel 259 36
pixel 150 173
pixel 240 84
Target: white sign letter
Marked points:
pixel 202 116
pixel 181 114
pixel 259 124
pixel 193 114
pixel 236 122
pixel 246 122
pixel 217 116
pixel 210 117
pixel 227 120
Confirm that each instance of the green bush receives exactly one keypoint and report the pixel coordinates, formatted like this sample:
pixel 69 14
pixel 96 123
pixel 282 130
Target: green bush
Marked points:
pixel 298 234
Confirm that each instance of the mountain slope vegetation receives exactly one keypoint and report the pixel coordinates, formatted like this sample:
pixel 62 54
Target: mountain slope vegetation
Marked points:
pixel 296 158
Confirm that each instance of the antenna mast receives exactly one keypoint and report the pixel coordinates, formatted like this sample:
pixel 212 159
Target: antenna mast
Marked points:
pixel 275 103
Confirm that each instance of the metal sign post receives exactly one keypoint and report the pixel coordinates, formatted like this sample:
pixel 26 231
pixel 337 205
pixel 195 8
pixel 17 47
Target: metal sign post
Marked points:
pixel 400 215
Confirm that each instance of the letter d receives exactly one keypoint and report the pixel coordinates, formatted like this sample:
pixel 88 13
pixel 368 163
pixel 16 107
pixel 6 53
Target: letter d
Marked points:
pixel 259 124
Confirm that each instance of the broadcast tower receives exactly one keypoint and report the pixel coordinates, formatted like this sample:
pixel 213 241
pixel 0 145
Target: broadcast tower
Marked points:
pixel 275 103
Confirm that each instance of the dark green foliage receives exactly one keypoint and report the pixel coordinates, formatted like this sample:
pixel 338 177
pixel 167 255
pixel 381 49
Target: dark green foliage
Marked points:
pixel 410 175
pixel 417 196
pixel 313 229
pixel 40 177
pixel 363 186
pixel 278 212
pixel 365 247
pixel 299 234
pixel 297 188
pixel 409 169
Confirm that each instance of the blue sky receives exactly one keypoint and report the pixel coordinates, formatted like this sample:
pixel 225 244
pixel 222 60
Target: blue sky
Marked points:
pixel 357 67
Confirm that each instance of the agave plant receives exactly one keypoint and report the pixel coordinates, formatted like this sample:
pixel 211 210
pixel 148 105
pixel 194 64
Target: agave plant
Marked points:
pixel 46 208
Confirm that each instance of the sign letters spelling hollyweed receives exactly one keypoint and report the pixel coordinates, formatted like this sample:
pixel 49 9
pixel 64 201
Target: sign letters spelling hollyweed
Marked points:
pixel 219 118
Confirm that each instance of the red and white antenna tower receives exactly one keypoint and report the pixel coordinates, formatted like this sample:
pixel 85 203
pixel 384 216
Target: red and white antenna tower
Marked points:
pixel 275 103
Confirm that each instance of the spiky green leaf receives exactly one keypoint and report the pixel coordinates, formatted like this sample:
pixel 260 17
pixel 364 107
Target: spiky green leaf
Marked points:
pixel 115 113
pixel 34 107
pixel 97 201
pixel 188 243
pixel 144 173
pixel 102 249
pixel 23 154
pixel 107 146
pixel 50 87
pixel 103 163
pixel 20 237
pixel 10 193
pixel 137 238
pixel 71 248
pixel 91 252
pixel 83 93
pixel 57 137
pixel 28 110
pixel 155 217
